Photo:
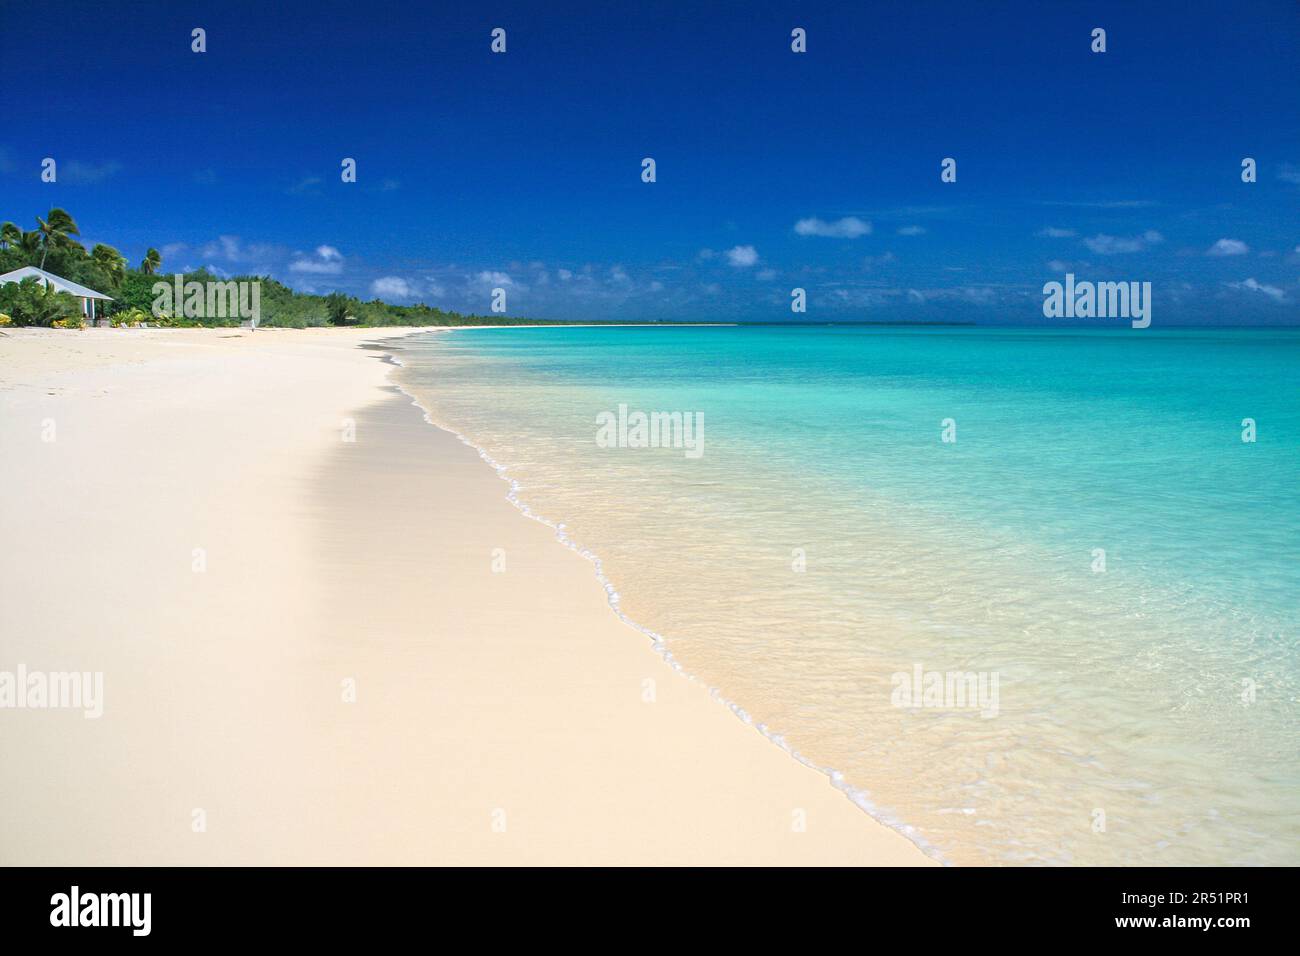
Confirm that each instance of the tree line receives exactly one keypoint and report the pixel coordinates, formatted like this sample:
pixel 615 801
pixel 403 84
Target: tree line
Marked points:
pixel 53 246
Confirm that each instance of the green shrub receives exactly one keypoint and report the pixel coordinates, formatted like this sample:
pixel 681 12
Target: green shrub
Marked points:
pixel 29 302
pixel 129 317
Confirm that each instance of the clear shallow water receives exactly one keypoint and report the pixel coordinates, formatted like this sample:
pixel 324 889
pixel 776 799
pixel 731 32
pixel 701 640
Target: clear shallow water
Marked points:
pixel 1119 692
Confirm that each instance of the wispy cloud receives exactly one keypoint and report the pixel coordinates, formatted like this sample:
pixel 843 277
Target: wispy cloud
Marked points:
pixel 1053 232
pixel 81 173
pixel 233 250
pixel 1228 247
pixel 1104 245
pixel 849 227
pixel 1101 203
pixel 1251 285
pixel 872 294
pixel 907 212
pixel 912 231
pixel 307 184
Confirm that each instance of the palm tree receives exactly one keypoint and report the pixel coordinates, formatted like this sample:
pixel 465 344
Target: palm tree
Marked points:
pixel 152 262
pixel 10 235
pixel 55 229
pixel 29 243
pixel 110 262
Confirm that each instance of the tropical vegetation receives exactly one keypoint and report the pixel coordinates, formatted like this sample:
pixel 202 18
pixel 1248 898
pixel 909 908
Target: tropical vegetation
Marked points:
pixel 53 246
pixel 30 303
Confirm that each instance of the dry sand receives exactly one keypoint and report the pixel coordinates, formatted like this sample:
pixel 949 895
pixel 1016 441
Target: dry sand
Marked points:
pixel 500 717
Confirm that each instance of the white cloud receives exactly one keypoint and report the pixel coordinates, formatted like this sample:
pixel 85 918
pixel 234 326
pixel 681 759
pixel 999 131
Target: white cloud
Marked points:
pixel 1105 245
pixel 1272 291
pixel 232 249
pixel 1228 247
pixel 912 231
pixel 766 275
pixel 850 227
pixel 487 277
pixel 392 287
pixel 1054 232
pixel 326 261
pixel 742 257
pixel 1056 265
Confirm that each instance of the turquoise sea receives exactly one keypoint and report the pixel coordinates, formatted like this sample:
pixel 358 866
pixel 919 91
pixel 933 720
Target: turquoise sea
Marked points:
pixel 1094 539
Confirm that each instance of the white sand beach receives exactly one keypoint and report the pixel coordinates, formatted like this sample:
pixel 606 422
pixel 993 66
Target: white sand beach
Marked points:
pixel 181 510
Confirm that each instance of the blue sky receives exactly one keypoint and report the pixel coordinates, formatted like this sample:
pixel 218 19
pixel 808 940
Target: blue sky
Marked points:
pixel 522 170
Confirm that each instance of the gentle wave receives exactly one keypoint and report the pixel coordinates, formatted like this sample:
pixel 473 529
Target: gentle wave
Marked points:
pixel 858 797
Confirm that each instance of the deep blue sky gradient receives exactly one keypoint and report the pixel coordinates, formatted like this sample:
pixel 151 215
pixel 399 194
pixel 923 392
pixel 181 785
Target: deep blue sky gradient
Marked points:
pixel 477 170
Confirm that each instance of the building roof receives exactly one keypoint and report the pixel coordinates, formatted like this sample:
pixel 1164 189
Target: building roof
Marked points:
pixel 49 278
